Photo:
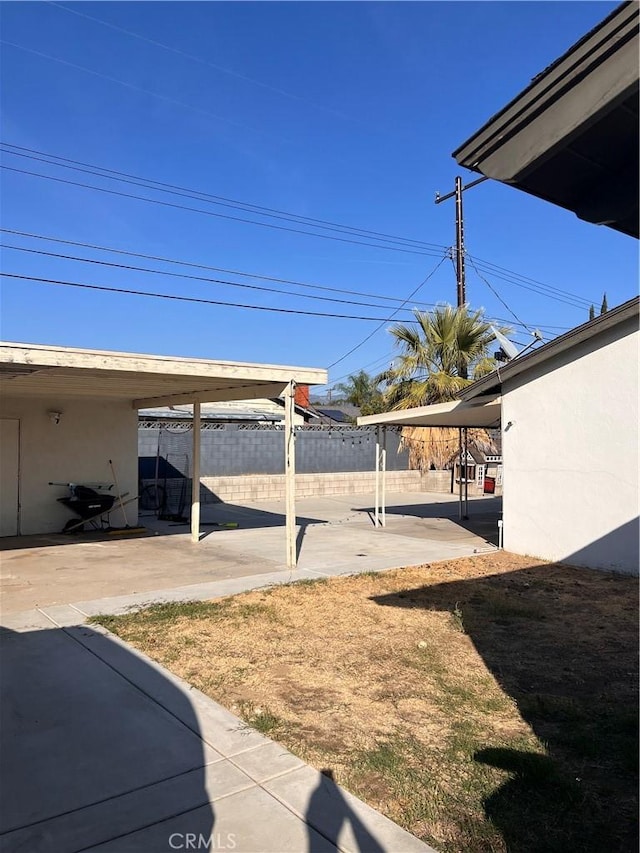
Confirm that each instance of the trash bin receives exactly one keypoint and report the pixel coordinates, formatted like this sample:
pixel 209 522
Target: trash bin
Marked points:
pixel 489 485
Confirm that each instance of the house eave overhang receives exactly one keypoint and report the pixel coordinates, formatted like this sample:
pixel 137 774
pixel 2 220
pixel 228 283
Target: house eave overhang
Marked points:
pixel 571 137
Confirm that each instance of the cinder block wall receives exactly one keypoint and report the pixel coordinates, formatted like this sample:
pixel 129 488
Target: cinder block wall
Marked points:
pixel 260 487
pixel 233 449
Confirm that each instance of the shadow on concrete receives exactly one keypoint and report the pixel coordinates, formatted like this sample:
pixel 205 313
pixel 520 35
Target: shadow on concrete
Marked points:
pixel 214 518
pixel 87 756
pixel 328 812
pixel 562 642
pixel 483 513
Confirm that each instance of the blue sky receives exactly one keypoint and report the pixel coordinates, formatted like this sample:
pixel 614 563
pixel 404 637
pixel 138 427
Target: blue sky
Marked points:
pixel 344 112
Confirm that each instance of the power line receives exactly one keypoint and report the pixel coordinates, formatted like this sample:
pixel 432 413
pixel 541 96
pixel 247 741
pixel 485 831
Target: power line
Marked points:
pixel 213 213
pixel 199 59
pixel 198 195
pixel 193 299
pixel 515 275
pixel 153 94
pixel 190 277
pixel 497 295
pixel 258 276
pixel 409 245
pixel 376 361
pixel 193 265
pixel 410 296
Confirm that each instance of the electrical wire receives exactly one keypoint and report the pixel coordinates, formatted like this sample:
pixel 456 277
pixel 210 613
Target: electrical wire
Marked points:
pixel 491 267
pixel 198 195
pixel 375 362
pixel 200 60
pixel 193 265
pixel 192 277
pixel 410 296
pixel 497 295
pixel 409 245
pixel 153 94
pixel 213 213
pixel 193 299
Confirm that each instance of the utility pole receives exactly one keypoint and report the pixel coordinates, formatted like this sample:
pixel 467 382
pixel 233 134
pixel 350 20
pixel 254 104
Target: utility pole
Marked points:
pixel 461 295
pixel 461 289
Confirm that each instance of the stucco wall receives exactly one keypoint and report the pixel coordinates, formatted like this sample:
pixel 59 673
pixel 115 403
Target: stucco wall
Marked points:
pixel 570 450
pixel 76 450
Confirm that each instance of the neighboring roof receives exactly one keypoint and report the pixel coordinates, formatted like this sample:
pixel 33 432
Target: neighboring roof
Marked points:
pixel 336 415
pixel 571 137
pixel 144 380
pixel 492 382
pixel 264 410
pixel 482 412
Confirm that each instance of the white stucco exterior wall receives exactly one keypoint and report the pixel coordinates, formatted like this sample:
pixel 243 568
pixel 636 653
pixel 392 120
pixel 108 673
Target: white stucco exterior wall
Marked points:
pixel 570 450
pixel 77 450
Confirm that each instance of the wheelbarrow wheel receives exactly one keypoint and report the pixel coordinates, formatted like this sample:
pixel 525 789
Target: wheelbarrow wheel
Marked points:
pixel 77 526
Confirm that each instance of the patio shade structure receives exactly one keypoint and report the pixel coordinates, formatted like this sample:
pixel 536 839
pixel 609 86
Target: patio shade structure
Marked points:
pixel 145 381
pixel 480 412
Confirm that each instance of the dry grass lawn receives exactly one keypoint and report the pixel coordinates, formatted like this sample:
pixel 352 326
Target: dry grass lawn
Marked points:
pixel 484 704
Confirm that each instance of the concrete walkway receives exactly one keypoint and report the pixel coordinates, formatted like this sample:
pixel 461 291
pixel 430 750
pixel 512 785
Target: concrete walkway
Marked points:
pixel 104 750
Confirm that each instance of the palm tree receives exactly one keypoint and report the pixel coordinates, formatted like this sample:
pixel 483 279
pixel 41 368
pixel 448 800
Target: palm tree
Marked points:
pixel 363 391
pixel 446 350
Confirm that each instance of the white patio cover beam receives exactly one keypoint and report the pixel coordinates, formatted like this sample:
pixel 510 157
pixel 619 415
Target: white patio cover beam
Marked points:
pixel 479 412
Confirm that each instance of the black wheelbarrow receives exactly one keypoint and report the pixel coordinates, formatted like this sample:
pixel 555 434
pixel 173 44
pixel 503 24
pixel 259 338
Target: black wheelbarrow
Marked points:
pixel 92 507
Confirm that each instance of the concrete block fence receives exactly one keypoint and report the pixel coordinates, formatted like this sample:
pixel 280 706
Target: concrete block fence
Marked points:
pixel 260 487
pixel 239 449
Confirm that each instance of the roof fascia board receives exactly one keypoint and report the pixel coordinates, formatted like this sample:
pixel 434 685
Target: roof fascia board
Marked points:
pixel 47 356
pixel 620 314
pixel 599 70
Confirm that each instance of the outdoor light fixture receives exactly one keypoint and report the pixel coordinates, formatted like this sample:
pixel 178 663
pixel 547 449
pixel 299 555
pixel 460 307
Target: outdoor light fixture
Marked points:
pixel 54 417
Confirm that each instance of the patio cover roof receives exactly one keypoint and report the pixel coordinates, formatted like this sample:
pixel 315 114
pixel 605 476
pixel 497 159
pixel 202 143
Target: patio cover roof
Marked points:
pixel 480 412
pixel 571 137
pixel 144 380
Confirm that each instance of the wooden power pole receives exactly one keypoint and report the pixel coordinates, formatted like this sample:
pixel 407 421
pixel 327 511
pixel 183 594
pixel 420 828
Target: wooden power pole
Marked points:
pixel 461 297
pixel 461 287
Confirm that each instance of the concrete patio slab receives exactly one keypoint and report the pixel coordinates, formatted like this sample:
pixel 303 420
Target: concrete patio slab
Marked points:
pixel 335 536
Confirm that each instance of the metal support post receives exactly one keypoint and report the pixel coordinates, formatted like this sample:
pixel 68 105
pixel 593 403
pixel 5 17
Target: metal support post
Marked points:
pixel 460 475
pixel 384 476
pixel 466 479
pixel 290 474
pixel 195 475
pixel 376 513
